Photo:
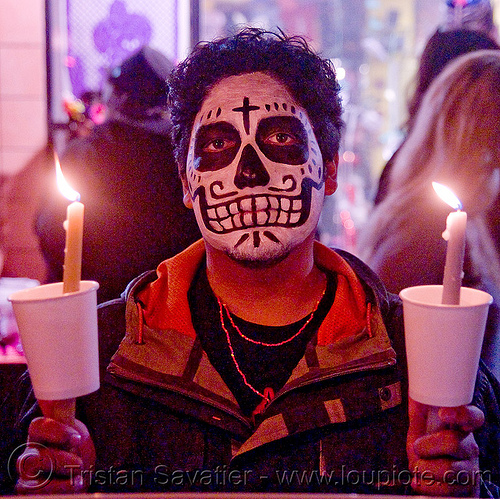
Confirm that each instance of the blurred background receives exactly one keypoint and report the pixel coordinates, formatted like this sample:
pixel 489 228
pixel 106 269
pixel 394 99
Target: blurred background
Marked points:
pixel 54 57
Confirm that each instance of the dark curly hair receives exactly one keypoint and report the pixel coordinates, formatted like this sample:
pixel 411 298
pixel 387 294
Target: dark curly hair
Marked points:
pixel 441 48
pixel 309 78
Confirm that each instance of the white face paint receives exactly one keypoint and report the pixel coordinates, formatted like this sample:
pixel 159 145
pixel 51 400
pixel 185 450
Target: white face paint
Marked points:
pixel 254 169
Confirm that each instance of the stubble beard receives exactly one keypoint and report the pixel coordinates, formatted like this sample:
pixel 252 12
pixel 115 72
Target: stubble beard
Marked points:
pixel 258 258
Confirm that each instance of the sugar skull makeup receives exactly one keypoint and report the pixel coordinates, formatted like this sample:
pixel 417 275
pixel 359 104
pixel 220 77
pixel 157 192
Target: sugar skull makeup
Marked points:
pixel 254 169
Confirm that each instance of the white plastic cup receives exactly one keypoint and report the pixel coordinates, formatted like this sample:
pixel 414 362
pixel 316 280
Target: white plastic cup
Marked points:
pixel 443 344
pixel 59 338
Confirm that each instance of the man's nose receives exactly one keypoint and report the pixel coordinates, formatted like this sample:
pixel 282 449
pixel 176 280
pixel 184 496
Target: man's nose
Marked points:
pixel 251 171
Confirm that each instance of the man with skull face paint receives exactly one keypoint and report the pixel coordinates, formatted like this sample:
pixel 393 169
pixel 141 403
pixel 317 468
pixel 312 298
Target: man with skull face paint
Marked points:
pixel 255 175
pixel 258 359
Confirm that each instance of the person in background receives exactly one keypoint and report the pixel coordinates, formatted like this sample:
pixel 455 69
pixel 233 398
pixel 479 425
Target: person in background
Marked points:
pixel 23 194
pixel 125 173
pixel 474 15
pixel 442 47
pixel 454 141
pixel 258 357
pixel 477 15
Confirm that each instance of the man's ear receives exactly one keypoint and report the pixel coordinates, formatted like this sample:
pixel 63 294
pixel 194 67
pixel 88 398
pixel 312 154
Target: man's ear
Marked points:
pixel 188 201
pixel 331 175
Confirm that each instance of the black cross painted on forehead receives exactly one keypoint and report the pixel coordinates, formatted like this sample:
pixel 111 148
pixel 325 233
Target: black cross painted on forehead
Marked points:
pixel 245 109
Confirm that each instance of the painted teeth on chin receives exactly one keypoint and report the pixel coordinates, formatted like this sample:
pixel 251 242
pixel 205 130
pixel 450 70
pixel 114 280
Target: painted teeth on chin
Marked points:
pixel 262 218
pixel 283 218
pixel 273 216
pixel 216 226
pixel 275 204
pixel 261 203
pixel 246 204
pixel 227 223
pixel 237 221
pixel 222 212
pixel 253 212
pixel 247 219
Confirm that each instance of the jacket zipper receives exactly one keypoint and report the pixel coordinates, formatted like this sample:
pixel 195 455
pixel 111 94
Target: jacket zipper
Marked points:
pixel 362 366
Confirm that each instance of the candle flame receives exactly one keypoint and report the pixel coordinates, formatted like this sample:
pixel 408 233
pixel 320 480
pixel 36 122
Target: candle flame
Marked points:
pixel 66 190
pixel 447 195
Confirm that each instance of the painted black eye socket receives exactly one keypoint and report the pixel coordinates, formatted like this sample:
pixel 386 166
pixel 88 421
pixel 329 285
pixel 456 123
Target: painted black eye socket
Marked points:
pixel 216 146
pixel 283 139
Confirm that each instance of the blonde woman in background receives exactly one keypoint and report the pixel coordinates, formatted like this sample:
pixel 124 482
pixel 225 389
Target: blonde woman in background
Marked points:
pixel 455 141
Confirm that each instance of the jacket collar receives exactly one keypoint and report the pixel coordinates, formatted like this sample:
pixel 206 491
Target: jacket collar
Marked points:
pixel 188 374
pixel 165 302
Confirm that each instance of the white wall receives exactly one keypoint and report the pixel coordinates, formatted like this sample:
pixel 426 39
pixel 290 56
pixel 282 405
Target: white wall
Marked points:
pixel 23 116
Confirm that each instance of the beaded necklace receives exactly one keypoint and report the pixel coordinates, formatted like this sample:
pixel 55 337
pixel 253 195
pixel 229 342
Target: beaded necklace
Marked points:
pixel 268 394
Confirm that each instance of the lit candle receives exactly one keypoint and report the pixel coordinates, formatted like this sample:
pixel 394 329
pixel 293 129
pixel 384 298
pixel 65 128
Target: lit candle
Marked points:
pixel 455 237
pixel 74 235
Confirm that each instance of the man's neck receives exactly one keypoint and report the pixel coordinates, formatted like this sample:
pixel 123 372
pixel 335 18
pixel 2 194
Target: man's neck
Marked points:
pixel 279 294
